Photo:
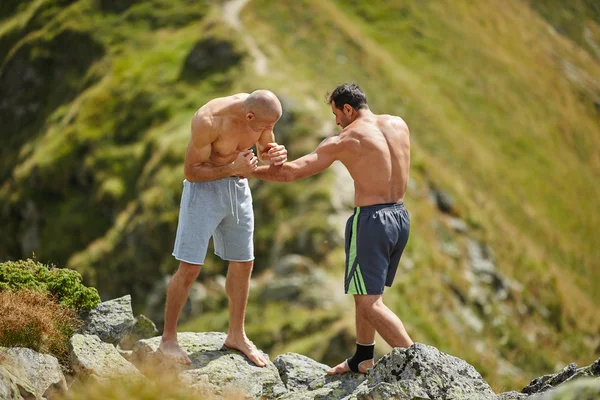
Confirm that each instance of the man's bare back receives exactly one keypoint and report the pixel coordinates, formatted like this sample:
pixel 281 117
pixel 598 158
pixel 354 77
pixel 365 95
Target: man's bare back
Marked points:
pixel 376 151
pixel 374 148
pixel 379 158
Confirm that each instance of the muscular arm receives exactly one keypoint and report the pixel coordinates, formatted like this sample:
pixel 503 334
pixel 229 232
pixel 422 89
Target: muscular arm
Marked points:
pixel 262 147
pixel 197 168
pixel 268 151
pixel 325 154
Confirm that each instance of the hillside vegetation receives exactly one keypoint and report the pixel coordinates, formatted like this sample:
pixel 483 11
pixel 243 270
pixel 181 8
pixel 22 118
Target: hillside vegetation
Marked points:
pixel 502 99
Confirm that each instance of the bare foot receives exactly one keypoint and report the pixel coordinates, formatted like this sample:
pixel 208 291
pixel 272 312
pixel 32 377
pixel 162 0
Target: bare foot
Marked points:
pixel 171 350
pixel 342 367
pixel 247 347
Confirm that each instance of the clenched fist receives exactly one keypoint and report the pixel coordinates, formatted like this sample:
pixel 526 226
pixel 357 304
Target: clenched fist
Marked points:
pixel 276 154
pixel 245 163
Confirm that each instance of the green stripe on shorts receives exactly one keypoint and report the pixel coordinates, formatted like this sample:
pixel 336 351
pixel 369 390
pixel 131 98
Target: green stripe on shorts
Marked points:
pixel 356 285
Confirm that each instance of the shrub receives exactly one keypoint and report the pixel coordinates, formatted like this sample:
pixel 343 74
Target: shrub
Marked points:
pixel 32 319
pixel 62 283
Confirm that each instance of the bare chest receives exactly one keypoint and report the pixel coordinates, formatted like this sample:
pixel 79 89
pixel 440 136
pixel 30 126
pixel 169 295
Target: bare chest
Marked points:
pixel 227 147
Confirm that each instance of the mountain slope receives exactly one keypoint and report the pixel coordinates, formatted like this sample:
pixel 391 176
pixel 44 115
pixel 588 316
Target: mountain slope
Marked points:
pixel 501 101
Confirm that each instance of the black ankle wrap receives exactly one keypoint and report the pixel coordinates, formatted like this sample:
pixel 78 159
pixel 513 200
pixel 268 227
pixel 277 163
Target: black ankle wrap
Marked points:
pixel 363 352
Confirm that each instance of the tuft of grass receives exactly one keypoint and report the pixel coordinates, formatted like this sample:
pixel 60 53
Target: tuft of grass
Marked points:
pixel 160 385
pixel 36 321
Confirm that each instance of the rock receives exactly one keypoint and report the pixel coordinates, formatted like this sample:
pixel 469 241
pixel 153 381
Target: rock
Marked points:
pixel 480 258
pixel 458 225
pixel 569 373
pixel 92 358
pixel 298 371
pixel 581 389
pixel 512 396
pixel 143 328
pixel 425 371
pixel 126 354
pixel 385 391
pixel 337 386
pixel 297 279
pixel 444 201
pixel 213 365
pixel 111 320
pixel 547 382
pixel 293 264
pixel 330 387
pixel 41 372
pixel 451 249
pixel 12 389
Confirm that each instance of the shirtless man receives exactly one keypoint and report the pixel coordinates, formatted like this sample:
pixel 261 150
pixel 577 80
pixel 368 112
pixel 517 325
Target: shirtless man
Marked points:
pixel 216 201
pixel 376 151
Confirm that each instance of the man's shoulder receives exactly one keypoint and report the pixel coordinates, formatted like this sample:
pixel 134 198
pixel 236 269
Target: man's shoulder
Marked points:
pixel 205 124
pixel 392 120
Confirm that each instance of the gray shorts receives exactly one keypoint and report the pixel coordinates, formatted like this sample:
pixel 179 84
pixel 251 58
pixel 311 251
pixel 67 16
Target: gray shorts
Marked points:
pixel 221 209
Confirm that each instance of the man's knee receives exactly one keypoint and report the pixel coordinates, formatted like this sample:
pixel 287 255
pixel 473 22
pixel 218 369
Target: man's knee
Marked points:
pixel 189 272
pixel 241 264
pixel 367 303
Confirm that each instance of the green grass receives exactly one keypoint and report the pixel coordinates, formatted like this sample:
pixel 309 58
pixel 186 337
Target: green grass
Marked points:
pixel 502 113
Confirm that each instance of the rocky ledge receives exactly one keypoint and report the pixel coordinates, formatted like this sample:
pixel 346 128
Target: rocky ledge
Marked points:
pixel 419 372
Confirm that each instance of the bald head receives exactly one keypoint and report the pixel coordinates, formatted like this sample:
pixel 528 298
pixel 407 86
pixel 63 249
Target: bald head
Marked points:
pixel 264 105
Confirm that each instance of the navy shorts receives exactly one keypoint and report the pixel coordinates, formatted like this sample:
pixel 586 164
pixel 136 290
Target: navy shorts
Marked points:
pixel 375 239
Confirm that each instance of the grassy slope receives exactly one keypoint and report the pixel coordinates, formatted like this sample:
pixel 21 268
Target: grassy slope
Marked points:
pixel 502 116
pixel 498 120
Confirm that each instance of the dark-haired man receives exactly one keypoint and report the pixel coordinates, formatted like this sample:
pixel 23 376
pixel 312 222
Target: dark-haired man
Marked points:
pixel 216 201
pixel 376 151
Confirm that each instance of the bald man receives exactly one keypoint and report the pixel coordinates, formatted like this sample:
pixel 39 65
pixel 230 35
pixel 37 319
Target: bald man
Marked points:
pixel 216 202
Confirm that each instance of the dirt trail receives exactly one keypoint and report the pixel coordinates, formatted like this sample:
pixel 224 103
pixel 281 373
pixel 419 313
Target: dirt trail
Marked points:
pixel 231 15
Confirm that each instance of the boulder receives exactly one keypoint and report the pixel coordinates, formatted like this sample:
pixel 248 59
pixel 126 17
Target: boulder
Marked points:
pixel 335 387
pixel 39 372
pixel 220 369
pixel 11 388
pixel 143 328
pixel 92 358
pixel 298 371
pixel 581 389
pixel 385 391
pixel 296 279
pixel 111 320
pixel 512 396
pixel 444 201
pixel 424 371
pixel 569 373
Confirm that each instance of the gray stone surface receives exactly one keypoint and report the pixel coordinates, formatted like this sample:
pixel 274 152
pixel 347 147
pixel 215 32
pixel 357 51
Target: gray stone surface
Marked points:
pixel 423 370
pixel 10 389
pixel 111 320
pixel 218 368
pixel 547 382
pixel 143 328
pixel 298 371
pixel 328 387
pixel 580 389
pixel 512 396
pixel 41 372
pixel 92 358
pixel 568 374
pixel 386 391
